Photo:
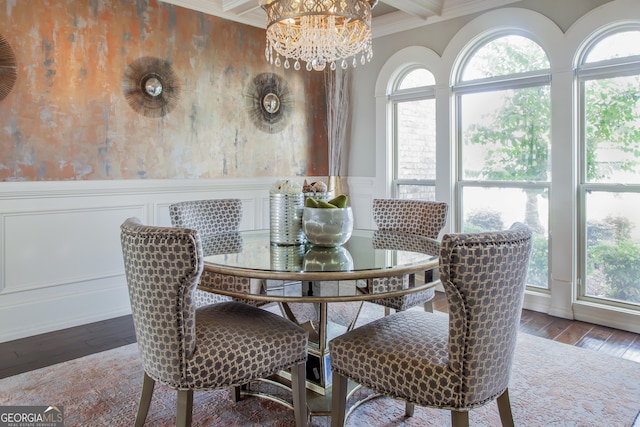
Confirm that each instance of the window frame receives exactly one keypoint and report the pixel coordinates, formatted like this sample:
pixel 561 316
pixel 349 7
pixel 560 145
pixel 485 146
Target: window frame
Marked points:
pixel 459 88
pixel 585 72
pixel 395 97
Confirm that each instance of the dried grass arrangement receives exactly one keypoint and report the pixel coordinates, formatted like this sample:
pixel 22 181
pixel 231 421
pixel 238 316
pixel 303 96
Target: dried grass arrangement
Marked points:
pixel 337 92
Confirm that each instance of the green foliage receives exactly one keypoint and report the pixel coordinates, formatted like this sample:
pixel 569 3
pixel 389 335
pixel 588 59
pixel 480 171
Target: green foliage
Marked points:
pixel 484 221
pixel 620 264
pixel 517 144
pixel 507 55
pixel 518 134
pixel 481 221
pixel 517 137
pixel 539 266
pixel 617 257
pixel 610 229
pixel 599 231
pixel 622 227
pixel 611 109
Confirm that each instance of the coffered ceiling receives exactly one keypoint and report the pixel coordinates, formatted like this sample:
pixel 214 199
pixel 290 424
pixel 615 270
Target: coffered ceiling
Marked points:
pixel 389 16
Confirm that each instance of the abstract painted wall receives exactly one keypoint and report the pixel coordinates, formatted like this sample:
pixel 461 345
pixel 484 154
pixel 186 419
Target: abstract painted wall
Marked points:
pixel 67 118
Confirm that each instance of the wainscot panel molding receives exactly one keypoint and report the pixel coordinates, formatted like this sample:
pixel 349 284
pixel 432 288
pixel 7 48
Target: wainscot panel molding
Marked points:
pixel 60 256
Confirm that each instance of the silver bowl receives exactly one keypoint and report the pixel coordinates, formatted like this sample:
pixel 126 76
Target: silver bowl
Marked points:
pixel 326 226
pixel 319 258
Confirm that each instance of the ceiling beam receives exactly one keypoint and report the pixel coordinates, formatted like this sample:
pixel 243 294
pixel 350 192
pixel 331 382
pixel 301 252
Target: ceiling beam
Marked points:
pixel 214 7
pixel 239 7
pixel 422 9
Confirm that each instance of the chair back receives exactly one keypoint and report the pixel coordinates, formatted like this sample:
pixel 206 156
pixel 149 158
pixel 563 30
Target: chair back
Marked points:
pixel 484 277
pixel 162 266
pixel 423 217
pixel 208 217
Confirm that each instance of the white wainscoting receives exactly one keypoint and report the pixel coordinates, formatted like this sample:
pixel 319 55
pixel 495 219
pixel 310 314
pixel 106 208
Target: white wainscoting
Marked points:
pixel 61 262
pixel 60 257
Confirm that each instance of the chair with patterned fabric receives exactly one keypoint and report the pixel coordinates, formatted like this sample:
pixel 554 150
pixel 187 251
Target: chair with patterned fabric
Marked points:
pixel 212 216
pixel 217 346
pixel 421 217
pixel 459 363
pixel 209 217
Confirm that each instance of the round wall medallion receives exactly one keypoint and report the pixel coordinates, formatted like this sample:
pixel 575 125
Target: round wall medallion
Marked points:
pixel 8 68
pixel 269 102
pixel 150 86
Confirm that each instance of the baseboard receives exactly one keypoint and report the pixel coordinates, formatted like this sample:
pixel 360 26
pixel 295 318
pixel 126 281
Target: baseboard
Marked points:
pixel 38 316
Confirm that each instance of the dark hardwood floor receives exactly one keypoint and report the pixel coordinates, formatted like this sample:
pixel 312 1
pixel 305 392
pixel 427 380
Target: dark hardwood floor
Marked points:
pixel 580 334
pixel 47 349
pixel 38 351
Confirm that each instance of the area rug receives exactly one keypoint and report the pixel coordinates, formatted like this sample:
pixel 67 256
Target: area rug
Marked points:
pixel 552 384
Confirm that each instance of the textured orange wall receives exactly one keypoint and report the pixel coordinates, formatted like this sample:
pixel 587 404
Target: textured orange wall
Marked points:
pixel 67 119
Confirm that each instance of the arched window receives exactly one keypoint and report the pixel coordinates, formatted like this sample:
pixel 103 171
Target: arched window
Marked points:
pixel 415 78
pixel 414 134
pixel 608 74
pixel 503 106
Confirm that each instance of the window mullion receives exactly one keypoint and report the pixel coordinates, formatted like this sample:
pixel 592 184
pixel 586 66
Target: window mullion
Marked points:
pixel 413 95
pixel 502 83
pixel 603 71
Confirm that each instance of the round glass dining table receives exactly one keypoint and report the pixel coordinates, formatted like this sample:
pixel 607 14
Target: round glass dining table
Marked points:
pixel 370 265
pixel 322 289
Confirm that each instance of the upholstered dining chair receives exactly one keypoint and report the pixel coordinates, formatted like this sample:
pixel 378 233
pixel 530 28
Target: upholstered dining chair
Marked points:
pixel 421 217
pixel 209 217
pixel 221 345
pixel 458 363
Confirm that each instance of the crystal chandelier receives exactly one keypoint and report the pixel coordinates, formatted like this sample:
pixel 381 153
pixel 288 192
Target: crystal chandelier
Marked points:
pixel 318 32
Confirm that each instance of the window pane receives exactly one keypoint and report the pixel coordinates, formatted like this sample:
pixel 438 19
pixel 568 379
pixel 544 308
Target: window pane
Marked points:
pixel 503 56
pixel 506 135
pixel 617 45
pixel 613 246
pixel 417 78
pixel 487 209
pixel 612 128
pixel 422 192
pixel 416 140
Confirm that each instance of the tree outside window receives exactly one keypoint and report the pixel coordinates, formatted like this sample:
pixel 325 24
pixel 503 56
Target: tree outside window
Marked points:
pixel 505 126
pixel 609 78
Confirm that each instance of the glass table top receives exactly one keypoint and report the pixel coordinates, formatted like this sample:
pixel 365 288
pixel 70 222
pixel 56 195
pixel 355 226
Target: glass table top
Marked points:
pixel 367 251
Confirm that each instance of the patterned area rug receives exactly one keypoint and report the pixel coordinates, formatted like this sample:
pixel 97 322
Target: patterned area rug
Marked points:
pixel 552 384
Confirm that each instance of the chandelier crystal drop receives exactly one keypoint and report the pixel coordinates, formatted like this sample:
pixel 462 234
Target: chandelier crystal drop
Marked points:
pixel 319 32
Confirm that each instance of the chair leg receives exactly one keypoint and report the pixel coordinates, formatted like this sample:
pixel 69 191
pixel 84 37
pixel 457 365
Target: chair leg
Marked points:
pixel 459 419
pixel 148 384
pixel 504 407
pixel 387 311
pixel 235 393
pixel 409 408
pixel 299 391
pixel 185 404
pixel 338 400
pixel 428 306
